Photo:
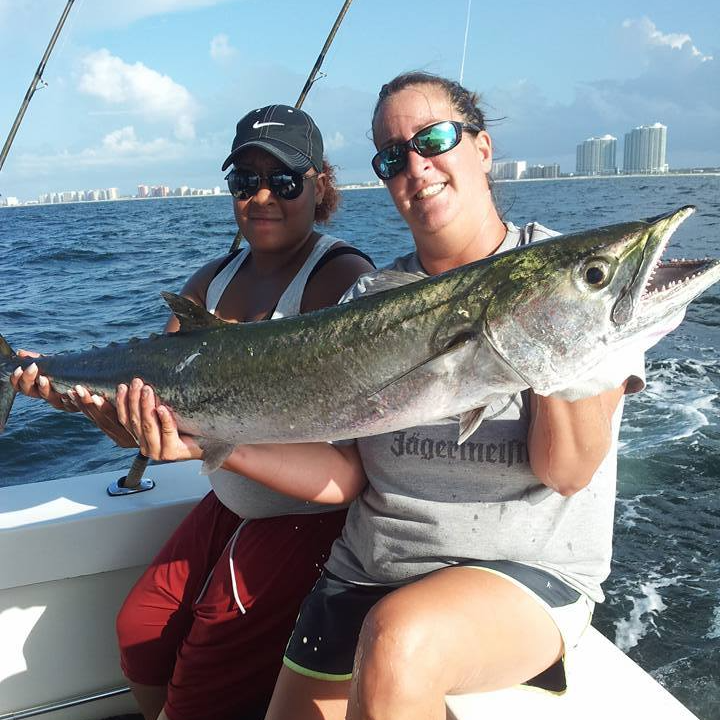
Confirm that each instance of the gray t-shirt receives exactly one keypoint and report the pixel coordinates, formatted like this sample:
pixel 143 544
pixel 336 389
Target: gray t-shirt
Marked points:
pixel 430 503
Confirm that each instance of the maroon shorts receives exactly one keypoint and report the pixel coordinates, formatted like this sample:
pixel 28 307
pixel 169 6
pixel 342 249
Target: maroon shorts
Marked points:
pixel 181 625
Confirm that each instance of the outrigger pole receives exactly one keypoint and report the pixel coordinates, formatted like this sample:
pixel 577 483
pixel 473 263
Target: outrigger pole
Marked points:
pixel 134 480
pixel 37 79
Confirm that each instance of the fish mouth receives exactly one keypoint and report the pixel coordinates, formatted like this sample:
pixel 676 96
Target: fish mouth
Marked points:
pixel 671 275
pixel 662 285
pixel 653 278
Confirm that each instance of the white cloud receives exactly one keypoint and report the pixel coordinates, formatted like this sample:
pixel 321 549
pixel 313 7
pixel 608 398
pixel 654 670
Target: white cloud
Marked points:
pixel 653 36
pixel 220 48
pixel 673 85
pixel 335 141
pixel 125 142
pixel 120 147
pixel 138 88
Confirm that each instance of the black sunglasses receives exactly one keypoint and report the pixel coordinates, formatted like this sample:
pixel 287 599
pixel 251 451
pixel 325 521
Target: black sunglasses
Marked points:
pixel 432 140
pixel 243 184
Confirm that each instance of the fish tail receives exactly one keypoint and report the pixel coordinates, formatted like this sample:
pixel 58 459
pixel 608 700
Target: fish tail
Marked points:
pixel 7 391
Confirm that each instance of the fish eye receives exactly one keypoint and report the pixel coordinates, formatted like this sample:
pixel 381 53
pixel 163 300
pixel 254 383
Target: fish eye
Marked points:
pixel 596 273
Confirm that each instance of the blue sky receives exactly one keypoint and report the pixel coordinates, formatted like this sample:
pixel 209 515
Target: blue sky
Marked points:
pixel 148 91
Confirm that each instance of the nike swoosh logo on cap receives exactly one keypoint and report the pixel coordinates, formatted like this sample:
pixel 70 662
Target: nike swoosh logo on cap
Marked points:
pixel 257 124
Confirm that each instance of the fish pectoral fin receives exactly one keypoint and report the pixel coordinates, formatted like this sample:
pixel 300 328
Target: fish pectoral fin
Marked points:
pixel 435 365
pixel 470 422
pixel 191 315
pixel 5 349
pixel 215 453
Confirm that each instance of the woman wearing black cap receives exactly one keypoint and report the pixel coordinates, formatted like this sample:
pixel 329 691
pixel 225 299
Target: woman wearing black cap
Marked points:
pixel 203 631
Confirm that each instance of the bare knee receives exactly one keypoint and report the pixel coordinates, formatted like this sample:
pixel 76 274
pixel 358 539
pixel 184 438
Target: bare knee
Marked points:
pixel 393 661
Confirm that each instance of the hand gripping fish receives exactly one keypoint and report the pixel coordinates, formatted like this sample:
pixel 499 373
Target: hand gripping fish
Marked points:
pixel 538 316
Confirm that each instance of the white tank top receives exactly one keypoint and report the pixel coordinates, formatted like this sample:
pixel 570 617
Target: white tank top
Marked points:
pixel 290 301
pixel 245 497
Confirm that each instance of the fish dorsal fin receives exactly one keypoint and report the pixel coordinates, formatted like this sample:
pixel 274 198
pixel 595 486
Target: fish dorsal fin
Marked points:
pixel 191 315
pixel 382 280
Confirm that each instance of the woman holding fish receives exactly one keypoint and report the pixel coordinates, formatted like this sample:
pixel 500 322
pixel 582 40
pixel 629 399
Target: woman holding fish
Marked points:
pixel 488 554
pixel 461 567
pixel 203 631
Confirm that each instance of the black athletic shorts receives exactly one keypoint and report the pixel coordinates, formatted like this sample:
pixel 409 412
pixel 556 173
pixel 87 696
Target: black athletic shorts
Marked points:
pixel 327 629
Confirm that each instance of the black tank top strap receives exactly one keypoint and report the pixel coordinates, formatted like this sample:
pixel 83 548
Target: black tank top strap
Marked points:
pixel 336 252
pixel 226 261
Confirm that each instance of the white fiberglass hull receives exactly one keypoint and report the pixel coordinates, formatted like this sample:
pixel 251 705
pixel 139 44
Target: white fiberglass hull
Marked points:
pixel 69 553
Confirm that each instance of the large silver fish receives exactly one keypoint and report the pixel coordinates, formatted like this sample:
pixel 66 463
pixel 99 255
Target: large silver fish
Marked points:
pixel 422 349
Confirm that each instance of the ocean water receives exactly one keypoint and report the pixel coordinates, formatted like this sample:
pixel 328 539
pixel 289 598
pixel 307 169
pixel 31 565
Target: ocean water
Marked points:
pixel 78 275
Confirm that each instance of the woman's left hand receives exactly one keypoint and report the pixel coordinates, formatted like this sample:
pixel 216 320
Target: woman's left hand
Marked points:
pixel 153 424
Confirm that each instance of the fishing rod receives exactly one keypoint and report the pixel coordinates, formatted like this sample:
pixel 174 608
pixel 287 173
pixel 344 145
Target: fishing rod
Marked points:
pixel 37 79
pixel 134 480
pixel 140 462
pixel 321 57
pixel 312 77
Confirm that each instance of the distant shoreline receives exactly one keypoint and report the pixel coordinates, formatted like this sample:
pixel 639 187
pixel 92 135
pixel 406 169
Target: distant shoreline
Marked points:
pixel 127 198
pixel 354 186
pixel 713 173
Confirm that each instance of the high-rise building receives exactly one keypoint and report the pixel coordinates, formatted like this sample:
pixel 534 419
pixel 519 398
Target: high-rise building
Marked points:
pixel 596 156
pixel 644 150
pixel 542 171
pixel 508 170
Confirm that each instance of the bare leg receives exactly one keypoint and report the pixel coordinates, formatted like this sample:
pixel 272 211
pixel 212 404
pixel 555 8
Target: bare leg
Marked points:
pixel 456 630
pixel 303 698
pixel 150 698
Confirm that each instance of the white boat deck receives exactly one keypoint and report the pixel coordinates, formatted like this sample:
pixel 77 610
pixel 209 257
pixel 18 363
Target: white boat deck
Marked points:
pixel 603 684
pixel 69 553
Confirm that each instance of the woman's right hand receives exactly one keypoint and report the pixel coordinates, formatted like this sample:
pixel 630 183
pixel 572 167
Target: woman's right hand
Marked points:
pixel 31 383
pixel 100 412
pixel 104 415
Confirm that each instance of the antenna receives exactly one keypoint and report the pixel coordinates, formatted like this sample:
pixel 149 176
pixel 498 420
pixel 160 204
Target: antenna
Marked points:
pixel 467 27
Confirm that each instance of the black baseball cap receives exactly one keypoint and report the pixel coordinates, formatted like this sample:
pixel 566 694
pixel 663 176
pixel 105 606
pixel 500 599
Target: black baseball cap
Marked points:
pixel 287 133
